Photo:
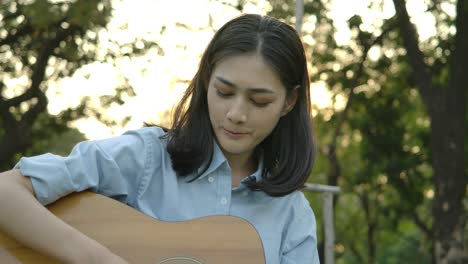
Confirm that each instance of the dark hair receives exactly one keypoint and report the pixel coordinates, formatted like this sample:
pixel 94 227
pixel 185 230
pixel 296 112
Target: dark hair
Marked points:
pixel 289 149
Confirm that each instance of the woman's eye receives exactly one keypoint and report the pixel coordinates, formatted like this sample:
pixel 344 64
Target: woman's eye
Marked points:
pixel 260 104
pixel 223 94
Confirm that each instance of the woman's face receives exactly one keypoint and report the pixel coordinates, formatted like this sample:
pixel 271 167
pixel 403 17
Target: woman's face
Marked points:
pixel 245 101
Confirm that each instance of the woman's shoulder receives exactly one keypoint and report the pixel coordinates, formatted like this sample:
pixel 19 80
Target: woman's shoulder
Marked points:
pixel 294 204
pixel 151 131
pixel 146 135
pixel 136 141
pixel 299 204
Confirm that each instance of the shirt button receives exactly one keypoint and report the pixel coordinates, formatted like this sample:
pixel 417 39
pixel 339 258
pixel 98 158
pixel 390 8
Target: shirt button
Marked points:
pixel 245 193
pixel 223 201
pixel 210 179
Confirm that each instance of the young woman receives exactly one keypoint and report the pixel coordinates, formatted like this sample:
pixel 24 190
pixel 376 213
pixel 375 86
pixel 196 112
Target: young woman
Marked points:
pixel 241 144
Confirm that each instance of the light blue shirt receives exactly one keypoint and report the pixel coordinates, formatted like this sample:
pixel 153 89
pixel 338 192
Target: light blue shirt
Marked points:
pixel 136 169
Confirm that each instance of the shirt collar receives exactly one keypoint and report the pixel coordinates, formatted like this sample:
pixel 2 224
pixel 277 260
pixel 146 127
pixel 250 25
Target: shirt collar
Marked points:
pixel 220 162
pixel 259 172
pixel 217 161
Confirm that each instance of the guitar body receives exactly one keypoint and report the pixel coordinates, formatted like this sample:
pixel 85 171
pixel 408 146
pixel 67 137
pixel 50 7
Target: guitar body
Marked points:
pixel 139 238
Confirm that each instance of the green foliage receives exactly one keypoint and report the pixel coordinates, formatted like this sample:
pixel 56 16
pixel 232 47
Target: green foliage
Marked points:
pixel 41 42
pixel 404 245
pixel 383 146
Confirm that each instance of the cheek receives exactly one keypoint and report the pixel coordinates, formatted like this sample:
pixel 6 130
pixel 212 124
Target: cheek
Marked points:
pixel 215 109
pixel 267 121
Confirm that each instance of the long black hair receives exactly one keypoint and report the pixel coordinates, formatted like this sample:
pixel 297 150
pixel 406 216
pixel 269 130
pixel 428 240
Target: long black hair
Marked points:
pixel 289 149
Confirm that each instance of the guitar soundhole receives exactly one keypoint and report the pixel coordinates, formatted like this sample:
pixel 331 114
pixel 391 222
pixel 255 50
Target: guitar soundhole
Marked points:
pixel 180 260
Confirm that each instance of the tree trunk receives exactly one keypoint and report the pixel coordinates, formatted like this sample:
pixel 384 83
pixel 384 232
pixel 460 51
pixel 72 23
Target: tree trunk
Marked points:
pixel 17 137
pixel 447 134
pixel 447 145
pixel 447 109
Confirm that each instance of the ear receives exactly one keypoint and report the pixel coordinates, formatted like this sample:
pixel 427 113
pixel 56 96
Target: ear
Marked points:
pixel 290 101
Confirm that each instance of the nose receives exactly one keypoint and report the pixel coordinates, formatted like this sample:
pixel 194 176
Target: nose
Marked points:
pixel 237 112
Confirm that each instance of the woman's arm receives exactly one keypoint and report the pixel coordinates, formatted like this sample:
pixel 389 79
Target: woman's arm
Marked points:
pixel 300 244
pixel 25 219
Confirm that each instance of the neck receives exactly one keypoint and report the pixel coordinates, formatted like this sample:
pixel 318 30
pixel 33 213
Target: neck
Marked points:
pixel 242 165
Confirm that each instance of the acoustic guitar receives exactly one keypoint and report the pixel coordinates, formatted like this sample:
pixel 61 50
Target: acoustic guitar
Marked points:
pixel 139 238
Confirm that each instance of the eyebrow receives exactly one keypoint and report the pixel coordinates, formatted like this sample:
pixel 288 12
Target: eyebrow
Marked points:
pixel 255 90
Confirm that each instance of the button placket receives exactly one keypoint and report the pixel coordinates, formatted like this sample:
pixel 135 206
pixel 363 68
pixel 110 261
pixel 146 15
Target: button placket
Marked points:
pixel 223 183
pixel 223 200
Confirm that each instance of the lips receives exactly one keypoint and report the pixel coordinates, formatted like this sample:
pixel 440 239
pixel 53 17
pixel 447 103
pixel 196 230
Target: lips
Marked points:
pixel 234 134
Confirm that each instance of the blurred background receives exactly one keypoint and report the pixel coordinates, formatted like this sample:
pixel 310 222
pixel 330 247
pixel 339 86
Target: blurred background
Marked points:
pixel 388 84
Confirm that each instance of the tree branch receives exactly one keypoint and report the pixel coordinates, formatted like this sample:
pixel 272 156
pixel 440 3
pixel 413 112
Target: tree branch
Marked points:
pixel 38 69
pixel 8 119
pixel 2 86
pixel 421 70
pixel 33 112
pixel 11 38
pixel 26 29
pixel 333 159
pixel 15 101
pixel 426 230
pixel 39 72
pixel 459 78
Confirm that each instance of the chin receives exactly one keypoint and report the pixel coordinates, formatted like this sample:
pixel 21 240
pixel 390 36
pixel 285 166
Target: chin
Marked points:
pixel 233 148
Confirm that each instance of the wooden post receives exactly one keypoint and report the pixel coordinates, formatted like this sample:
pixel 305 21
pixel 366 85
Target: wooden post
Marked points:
pixel 326 190
pixel 299 14
pixel 328 226
pixel 327 216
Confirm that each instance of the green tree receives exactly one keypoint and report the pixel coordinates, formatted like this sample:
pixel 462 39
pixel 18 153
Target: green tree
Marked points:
pixel 41 42
pixel 400 135
pixel 442 85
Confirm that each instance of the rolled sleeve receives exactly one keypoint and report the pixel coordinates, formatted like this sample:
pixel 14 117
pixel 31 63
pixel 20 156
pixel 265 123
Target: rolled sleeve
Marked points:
pixel 111 166
pixel 300 245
